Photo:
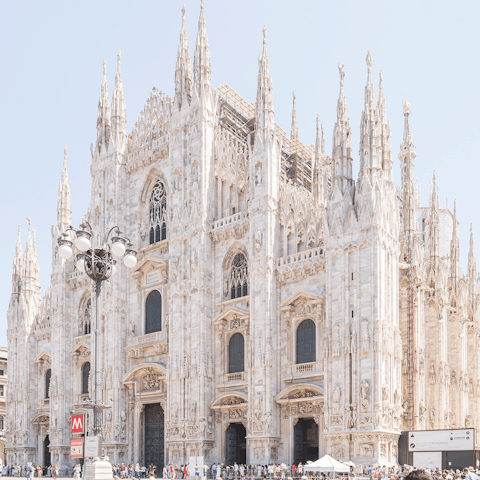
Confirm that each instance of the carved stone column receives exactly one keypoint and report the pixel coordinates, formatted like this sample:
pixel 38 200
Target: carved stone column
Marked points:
pixel 137 424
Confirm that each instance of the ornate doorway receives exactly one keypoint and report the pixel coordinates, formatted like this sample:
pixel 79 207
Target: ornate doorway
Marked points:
pixel 305 438
pixel 154 436
pixel 47 461
pixel 236 444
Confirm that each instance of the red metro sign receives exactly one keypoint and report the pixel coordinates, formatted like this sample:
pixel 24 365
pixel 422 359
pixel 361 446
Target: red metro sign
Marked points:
pixel 78 424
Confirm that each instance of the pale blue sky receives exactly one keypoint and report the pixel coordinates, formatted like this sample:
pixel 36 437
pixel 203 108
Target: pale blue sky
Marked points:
pixel 51 56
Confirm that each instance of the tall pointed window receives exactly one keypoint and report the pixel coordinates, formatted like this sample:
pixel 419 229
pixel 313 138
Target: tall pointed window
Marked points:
pixel 85 377
pixel 236 354
pixel 306 342
pixel 87 315
pixel 48 377
pixel 158 214
pixel 239 276
pixel 153 312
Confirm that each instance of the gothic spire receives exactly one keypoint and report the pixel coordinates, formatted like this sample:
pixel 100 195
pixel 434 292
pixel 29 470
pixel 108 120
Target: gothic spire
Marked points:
pixel 433 220
pixel 183 68
pixel 472 263
pixel 323 141
pixel 318 173
pixel 201 59
pixel 64 204
pixel 407 157
pixel 103 115
pixel 455 251
pixel 265 113
pixel 17 270
pixel 342 141
pixel 385 132
pixel 119 111
pixel 30 262
pixel 369 89
pixel 294 131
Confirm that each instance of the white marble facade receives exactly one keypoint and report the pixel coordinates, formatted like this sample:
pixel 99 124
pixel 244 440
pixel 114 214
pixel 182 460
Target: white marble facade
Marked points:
pixel 280 289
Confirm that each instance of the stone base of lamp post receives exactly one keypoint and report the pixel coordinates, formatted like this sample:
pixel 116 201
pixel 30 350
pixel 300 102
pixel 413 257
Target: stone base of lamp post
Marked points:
pixel 98 469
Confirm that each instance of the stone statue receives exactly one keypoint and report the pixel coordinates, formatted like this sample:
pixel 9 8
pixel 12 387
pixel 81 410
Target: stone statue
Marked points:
pixel 364 390
pixel 385 392
pixel 336 393
pixel 432 373
pixel 406 107
pixel 341 71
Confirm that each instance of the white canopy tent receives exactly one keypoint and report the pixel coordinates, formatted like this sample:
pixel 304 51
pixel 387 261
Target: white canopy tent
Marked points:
pixel 326 464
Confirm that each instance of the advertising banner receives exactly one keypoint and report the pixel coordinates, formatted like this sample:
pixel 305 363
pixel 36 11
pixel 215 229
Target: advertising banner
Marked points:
pixel 93 447
pixel 78 424
pixel 76 447
pixel 441 440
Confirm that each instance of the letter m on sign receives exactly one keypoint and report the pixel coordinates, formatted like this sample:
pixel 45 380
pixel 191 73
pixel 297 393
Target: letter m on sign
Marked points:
pixel 77 424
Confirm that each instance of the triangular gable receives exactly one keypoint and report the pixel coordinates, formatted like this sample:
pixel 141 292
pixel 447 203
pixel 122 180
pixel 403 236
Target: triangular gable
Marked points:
pixel 80 347
pixel 310 297
pixel 44 356
pixel 229 313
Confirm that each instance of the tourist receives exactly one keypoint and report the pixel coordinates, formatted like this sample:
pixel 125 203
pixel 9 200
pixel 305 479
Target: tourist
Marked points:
pixel 54 471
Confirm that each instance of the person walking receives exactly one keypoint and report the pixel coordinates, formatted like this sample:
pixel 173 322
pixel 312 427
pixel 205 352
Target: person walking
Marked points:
pixel 54 471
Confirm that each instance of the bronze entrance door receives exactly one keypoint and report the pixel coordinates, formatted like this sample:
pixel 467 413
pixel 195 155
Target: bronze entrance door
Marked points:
pixel 46 452
pixel 154 436
pixel 305 437
pixel 236 444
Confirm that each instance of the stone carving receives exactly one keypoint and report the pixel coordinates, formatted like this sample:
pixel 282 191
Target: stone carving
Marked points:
pixel 258 240
pixel 365 337
pixel 422 410
pixel 432 374
pixel 366 450
pixel 469 421
pixel 193 260
pixel 336 341
pixel 385 392
pixel 152 381
pixel 447 375
pixel 432 417
pixel 353 342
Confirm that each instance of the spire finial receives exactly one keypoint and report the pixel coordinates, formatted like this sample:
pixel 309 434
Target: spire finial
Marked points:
pixel 29 225
pixel 455 208
pixel 184 9
pixel 119 59
pixel 406 107
pixel 104 63
pixel 323 140
pixel 341 71
pixel 264 30
pixel 65 152
pixel 294 132
pixel 369 61
pixel 380 74
pixel 202 4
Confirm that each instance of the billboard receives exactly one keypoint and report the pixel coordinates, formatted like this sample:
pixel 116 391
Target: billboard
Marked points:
pixel 78 424
pixel 76 447
pixel 441 440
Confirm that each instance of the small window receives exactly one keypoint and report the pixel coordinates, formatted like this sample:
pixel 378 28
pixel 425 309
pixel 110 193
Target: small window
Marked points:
pixel 2 390
pixel 236 354
pixel 153 312
pixel 2 372
pixel 48 377
pixel 2 422
pixel 306 342
pixel 85 377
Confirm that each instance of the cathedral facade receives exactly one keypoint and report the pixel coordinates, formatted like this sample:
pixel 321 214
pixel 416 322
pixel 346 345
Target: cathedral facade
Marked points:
pixel 279 309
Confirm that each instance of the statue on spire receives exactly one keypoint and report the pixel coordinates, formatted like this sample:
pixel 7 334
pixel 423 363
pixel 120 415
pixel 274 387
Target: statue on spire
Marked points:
pixel 369 61
pixel 406 107
pixel 184 9
pixel 65 152
pixel 119 58
pixel 104 63
pixel 380 74
pixel 264 30
pixel 341 71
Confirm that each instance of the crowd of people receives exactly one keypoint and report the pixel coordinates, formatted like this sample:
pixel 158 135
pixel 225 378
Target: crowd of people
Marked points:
pixel 245 472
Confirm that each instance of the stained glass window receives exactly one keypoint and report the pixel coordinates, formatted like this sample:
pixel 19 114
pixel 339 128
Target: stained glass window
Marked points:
pixel 158 214
pixel 239 276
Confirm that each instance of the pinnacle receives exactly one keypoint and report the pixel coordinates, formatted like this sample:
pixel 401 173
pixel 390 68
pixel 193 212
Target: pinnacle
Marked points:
pixel 294 131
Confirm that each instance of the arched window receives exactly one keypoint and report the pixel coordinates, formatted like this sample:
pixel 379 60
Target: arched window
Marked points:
pixel 153 312
pixel 236 354
pixel 2 422
pixel 48 377
pixel 87 328
pixel 306 342
pixel 85 377
pixel 158 214
pixel 239 276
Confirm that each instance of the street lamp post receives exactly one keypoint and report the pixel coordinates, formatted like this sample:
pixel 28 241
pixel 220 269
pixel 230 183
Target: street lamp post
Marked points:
pixel 99 264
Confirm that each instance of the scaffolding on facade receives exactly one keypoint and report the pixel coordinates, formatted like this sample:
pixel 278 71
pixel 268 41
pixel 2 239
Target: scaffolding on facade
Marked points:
pixel 238 116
